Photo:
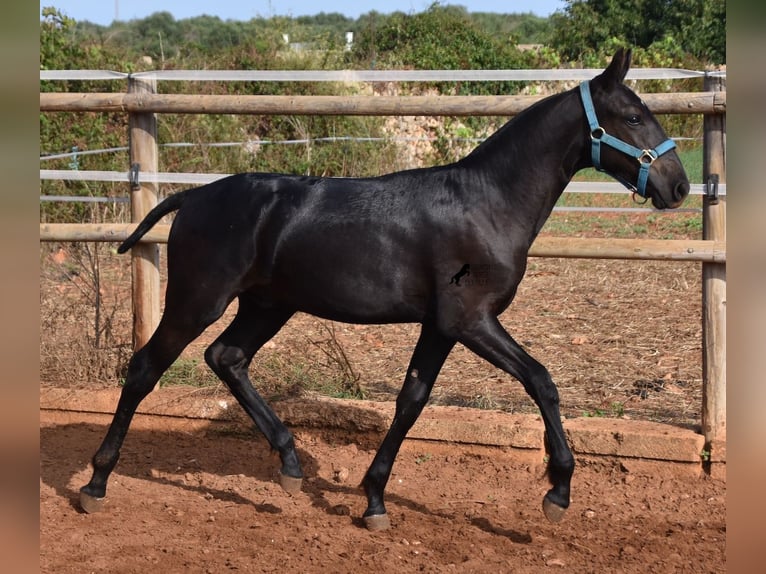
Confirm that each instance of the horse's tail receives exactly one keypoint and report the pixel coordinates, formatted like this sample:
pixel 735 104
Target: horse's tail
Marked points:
pixel 170 203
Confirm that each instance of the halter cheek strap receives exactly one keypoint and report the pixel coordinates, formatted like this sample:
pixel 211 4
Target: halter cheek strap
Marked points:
pixel 598 136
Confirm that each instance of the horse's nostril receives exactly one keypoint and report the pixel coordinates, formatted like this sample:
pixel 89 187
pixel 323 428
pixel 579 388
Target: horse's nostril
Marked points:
pixel 681 190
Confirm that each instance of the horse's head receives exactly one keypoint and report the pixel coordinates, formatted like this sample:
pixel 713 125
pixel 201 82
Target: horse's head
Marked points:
pixel 628 142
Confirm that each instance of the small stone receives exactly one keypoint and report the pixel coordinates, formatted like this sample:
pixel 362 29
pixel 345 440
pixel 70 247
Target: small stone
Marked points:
pixel 340 474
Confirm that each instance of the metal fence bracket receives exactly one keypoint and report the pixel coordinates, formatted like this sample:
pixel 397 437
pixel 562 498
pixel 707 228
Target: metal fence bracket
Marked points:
pixel 711 188
pixel 133 176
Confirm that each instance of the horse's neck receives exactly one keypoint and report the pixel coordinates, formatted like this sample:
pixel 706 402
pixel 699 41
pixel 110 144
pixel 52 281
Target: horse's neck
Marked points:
pixel 533 157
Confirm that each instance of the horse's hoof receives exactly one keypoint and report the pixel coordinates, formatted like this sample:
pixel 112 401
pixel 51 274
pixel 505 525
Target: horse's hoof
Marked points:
pixel 553 511
pixel 290 484
pixel 91 504
pixel 377 522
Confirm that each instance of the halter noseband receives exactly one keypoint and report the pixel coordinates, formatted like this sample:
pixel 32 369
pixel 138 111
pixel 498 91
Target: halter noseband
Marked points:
pixel 598 135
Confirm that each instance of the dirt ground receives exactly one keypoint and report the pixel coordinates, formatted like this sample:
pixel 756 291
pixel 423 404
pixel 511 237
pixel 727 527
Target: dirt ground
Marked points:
pixel 198 497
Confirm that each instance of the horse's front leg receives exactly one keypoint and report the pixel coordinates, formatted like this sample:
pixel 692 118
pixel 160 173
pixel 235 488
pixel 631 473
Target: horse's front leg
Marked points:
pixel 487 338
pixel 430 353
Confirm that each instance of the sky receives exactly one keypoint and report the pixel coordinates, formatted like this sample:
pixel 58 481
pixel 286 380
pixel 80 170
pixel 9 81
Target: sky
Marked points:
pixel 104 12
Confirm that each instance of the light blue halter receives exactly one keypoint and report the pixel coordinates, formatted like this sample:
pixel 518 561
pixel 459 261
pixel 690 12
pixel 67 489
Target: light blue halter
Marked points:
pixel 598 135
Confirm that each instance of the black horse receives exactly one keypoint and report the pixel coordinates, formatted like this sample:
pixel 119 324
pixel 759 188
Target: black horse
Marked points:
pixel 384 250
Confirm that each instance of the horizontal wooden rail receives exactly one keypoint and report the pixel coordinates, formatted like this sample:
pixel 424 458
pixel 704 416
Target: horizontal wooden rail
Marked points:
pixel 646 249
pixel 570 247
pixel 679 103
pixel 100 232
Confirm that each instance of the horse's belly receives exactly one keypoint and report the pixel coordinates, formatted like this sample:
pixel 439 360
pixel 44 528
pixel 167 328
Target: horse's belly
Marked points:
pixel 362 291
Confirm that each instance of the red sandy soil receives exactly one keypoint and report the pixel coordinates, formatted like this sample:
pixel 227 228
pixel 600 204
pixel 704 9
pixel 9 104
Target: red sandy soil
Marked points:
pixel 198 496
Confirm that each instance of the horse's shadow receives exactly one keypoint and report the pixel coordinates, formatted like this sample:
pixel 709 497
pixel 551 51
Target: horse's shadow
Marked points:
pixel 162 457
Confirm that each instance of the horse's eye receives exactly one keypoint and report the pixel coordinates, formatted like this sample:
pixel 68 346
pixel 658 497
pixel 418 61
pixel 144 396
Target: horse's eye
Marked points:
pixel 634 120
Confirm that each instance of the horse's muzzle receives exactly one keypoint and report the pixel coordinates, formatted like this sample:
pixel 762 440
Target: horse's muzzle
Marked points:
pixel 674 199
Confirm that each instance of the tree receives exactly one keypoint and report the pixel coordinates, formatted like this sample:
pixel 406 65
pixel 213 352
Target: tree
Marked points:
pixel 517 28
pixel 57 48
pixel 438 38
pixel 706 34
pixel 586 27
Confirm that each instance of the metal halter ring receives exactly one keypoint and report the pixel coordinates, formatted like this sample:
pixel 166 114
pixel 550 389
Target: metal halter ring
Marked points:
pixel 647 156
pixel 634 194
pixel 597 133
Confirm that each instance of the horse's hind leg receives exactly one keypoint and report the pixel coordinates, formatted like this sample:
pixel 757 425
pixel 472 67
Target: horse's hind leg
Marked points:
pixel 430 353
pixel 175 331
pixel 489 340
pixel 229 356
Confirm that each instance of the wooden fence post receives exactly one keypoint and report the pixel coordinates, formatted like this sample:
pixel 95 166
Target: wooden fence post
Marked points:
pixel 142 129
pixel 714 278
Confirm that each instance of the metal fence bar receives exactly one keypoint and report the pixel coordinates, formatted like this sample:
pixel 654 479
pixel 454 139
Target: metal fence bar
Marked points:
pixel 564 75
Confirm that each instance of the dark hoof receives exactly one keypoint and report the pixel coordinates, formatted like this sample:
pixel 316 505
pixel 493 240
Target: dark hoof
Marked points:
pixel 377 522
pixel 553 511
pixel 290 484
pixel 91 504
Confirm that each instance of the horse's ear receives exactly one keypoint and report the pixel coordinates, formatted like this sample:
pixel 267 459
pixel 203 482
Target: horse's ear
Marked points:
pixel 617 70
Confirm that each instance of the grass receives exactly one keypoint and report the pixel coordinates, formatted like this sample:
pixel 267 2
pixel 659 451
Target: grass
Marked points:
pixel 290 374
pixel 616 410
pixel 279 376
pixel 484 402
pixel 188 372
pixel 665 225
pixel 423 458
pixel 318 365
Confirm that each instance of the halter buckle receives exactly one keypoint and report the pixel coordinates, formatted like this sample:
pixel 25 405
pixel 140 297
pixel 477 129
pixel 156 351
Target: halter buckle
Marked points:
pixel 647 157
